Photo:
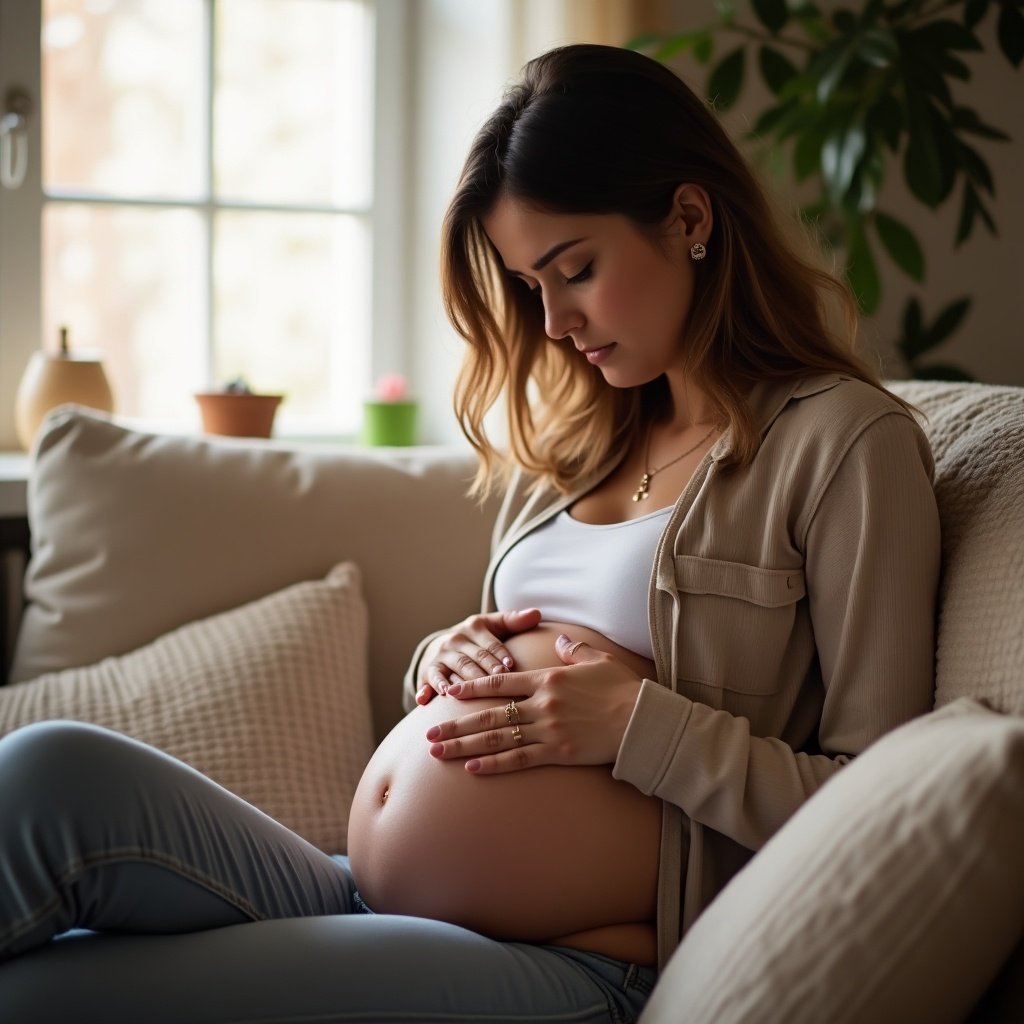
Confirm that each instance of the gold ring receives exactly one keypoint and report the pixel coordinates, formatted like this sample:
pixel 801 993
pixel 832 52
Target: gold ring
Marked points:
pixel 517 735
pixel 511 713
pixel 575 647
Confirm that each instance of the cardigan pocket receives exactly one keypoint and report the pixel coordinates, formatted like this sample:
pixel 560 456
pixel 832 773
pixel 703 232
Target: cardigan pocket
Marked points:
pixel 736 628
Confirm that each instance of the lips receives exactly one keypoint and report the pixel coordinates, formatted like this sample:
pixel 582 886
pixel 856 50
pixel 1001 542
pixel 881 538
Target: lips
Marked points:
pixel 597 355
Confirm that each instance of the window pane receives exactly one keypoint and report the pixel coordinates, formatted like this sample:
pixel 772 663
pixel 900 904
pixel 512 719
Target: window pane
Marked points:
pixel 123 103
pixel 291 102
pixel 128 282
pixel 291 313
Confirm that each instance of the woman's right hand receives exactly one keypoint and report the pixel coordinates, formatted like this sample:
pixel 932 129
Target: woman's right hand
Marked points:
pixel 470 650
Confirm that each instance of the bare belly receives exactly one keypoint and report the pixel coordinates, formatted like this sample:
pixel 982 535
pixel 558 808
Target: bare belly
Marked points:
pixel 566 855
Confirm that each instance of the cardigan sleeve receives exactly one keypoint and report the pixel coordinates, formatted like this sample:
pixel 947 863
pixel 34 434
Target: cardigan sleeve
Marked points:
pixel 871 550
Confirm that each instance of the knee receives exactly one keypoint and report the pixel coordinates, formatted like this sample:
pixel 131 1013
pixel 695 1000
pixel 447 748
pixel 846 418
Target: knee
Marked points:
pixel 47 758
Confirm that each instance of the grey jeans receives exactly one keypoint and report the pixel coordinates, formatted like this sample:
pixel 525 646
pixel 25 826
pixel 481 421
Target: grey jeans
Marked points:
pixel 134 888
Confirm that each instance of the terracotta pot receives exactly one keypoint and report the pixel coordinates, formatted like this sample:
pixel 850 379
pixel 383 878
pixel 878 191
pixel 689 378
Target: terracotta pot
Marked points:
pixel 237 414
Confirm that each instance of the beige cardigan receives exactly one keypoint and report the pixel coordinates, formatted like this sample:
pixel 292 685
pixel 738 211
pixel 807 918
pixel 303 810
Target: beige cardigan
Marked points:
pixel 792 616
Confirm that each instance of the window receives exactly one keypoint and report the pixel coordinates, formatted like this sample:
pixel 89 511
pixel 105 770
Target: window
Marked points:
pixel 207 205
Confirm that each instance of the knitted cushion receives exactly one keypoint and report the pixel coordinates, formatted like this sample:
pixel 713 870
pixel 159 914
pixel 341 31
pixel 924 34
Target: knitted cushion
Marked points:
pixel 270 700
pixel 893 894
pixel 977 435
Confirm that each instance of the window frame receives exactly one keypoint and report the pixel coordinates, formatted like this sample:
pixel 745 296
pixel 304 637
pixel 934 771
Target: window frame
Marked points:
pixel 21 210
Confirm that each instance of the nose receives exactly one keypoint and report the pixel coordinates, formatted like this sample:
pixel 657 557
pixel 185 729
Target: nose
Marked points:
pixel 561 317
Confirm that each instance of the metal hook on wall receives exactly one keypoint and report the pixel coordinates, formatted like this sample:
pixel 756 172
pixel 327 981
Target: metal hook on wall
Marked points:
pixel 18 109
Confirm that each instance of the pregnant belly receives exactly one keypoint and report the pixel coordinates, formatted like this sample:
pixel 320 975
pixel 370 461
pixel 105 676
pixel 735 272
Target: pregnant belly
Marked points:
pixel 553 854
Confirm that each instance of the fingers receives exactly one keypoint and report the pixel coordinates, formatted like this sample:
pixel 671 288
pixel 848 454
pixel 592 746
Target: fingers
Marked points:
pixel 494 731
pixel 574 653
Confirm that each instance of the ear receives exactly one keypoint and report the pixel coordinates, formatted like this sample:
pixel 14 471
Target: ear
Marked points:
pixel 691 213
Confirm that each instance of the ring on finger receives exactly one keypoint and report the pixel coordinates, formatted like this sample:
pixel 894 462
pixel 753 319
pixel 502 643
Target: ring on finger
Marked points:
pixel 517 735
pixel 511 713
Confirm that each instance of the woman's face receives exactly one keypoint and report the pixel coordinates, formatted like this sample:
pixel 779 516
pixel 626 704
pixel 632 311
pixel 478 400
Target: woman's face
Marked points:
pixel 619 297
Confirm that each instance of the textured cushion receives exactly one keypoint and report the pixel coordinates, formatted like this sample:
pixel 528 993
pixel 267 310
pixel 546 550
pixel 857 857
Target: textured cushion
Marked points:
pixel 269 700
pixel 977 435
pixel 135 534
pixel 894 894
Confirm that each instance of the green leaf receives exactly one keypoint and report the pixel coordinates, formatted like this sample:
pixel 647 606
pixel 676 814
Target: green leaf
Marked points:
pixel 966 120
pixel 830 65
pixel 839 158
pixel 987 218
pixel 861 271
pixel 941 371
pixel 976 168
pixel 726 80
pixel 953 67
pixel 946 34
pixel 929 162
pixel 947 322
pixel 885 119
pixel 913 328
pixel 677 44
pixel 878 47
pixel 773 14
pixel 807 154
pixel 776 68
pixel 774 117
pixel 901 245
pixel 974 11
pixel 645 41
pixel 726 10
pixel 968 211
pixel 1011 34
pixel 703 47
pixel 845 21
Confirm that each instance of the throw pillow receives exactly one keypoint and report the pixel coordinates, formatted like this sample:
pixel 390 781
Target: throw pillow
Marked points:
pixel 270 700
pixel 894 894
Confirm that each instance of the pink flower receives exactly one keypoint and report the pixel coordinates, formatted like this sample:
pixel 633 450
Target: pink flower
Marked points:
pixel 391 387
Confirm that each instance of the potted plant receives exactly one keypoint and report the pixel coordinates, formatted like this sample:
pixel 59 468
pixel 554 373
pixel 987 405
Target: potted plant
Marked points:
pixel 237 411
pixel 854 90
pixel 389 418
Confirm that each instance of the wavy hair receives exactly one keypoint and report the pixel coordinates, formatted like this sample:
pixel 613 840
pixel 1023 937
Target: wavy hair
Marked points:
pixel 593 129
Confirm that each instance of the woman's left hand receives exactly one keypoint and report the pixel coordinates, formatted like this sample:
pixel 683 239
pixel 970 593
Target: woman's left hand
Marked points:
pixel 570 715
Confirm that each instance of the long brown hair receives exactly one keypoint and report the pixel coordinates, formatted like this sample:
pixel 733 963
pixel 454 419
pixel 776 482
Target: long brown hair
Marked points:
pixel 596 129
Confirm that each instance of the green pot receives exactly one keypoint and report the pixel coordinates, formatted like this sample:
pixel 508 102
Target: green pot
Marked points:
pixel 389 424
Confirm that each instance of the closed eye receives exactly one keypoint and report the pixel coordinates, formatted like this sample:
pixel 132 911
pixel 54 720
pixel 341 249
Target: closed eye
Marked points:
pixel 582 276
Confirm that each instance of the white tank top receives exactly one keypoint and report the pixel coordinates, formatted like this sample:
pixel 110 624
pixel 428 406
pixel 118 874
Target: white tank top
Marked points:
pixel 597 576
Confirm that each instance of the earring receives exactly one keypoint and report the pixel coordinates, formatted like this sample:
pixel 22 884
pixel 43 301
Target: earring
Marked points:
pixel 697 251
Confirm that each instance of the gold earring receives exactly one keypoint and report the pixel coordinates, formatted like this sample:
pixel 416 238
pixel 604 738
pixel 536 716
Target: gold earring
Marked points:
pixel 697 251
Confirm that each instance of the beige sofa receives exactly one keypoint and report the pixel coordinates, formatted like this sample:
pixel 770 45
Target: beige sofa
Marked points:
pixel 251 607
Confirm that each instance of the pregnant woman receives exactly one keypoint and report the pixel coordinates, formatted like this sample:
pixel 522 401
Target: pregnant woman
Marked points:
pixel 712 585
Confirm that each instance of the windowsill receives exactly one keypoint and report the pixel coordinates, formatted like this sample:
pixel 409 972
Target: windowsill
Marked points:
pixel 13 485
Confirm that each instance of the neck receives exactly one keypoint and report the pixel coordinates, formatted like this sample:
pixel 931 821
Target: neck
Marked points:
pixel 691 406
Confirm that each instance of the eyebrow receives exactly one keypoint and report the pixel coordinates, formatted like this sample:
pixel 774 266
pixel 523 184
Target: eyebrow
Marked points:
pixel 550 255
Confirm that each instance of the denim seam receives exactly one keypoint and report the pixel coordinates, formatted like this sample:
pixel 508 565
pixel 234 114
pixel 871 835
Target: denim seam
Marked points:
pixel 120 856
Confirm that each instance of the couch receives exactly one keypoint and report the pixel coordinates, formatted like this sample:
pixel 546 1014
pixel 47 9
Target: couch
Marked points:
pixel 251 607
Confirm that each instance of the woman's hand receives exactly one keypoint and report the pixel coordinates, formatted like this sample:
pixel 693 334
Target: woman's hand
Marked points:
pixel 574 715
pixel 472 650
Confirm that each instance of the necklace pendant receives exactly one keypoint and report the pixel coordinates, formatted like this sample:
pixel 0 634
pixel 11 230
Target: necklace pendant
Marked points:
pixel 641 492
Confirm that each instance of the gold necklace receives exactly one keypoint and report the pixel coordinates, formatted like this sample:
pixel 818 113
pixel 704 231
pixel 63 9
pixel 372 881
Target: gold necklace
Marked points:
pixel 641 493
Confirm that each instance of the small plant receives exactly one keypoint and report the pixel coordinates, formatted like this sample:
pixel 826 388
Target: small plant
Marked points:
pixel 237 386
pixel 854 90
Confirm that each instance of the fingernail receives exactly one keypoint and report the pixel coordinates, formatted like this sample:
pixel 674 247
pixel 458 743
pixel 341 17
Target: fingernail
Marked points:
pixel 473 766
pixel 507 662
pixel 436 749
pixel 454 690
pixel 434 732
pixel 562 639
